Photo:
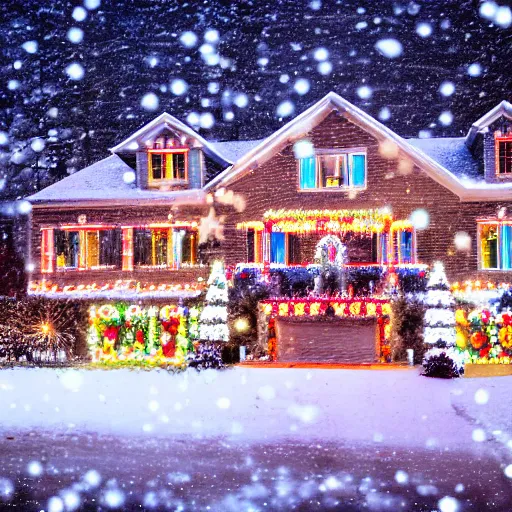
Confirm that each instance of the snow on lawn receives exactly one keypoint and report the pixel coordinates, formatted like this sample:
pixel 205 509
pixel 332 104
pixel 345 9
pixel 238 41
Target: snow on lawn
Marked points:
pixel 381 406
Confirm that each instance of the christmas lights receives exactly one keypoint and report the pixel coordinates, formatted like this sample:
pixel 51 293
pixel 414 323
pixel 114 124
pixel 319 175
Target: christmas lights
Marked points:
pixel 120 332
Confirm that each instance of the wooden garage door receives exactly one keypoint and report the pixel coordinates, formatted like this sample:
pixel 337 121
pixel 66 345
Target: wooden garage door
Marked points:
pixel 343 340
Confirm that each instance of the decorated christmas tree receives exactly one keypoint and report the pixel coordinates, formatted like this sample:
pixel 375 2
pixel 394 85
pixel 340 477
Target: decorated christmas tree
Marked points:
pixel 439 316
pixel 442 359
pixel 213 320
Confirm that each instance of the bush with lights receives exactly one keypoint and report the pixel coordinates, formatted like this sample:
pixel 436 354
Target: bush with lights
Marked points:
pixel 439 333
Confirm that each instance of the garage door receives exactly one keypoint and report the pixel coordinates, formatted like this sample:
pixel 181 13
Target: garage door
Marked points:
pixel 342 340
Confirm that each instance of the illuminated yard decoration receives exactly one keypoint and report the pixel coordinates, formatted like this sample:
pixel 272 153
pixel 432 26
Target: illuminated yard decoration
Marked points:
pixel 484 338
pixel 324 307
pixel 157 335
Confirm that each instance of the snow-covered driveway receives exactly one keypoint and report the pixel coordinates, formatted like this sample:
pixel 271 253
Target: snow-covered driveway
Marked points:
pixel 395 407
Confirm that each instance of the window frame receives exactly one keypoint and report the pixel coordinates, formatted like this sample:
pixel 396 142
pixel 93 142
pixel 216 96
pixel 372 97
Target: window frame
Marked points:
pixel 83 247
pixel 166 180
pixel 499 224
pixel 499 139
pixel 347 155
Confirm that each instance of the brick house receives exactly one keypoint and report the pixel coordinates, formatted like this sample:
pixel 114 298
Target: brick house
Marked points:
pixel 333 179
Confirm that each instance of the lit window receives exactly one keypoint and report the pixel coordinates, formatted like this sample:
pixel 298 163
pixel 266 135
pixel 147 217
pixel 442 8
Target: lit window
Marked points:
pixel 504 155
pixel 333 171
pixel 87 249
pixel 496 246
pixel 164 247
pixel 167 161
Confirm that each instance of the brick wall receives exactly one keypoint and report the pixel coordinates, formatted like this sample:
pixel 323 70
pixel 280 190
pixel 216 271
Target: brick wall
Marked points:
pixel 274 185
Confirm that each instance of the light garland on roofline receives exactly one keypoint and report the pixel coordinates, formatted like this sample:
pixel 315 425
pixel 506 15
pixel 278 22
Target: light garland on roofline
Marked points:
pixel 45 287
pixel 251 224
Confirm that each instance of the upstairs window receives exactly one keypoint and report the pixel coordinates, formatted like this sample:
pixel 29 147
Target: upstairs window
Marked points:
pixel 504 155
pixel 333 170
pixel 167 161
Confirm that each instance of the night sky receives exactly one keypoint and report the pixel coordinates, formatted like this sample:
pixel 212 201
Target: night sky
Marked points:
pixel 237 68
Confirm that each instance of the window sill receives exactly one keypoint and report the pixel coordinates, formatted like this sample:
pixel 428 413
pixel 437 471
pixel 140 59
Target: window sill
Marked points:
pixel 157 184
pixel 332 189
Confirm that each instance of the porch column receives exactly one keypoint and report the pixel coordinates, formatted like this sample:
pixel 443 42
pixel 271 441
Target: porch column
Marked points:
pixel 267 230
pixel 127 263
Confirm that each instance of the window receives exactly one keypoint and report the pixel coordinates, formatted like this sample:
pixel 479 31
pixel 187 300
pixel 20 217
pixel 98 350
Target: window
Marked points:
pixel 167 161
pixel 403 246
pixel 67 249
pixel 189 248
pixel 254 244
pixel 496 246
pixel 504 155
pixel 164 247
pixel 333 171
pixel 150 247
pixel 91 249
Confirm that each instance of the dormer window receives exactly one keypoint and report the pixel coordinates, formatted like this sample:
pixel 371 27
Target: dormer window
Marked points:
pixel 504 154
pixel 167 162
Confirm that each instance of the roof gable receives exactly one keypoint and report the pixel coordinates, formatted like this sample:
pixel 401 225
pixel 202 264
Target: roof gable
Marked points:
pixel 167 122
pixel 466 188
pixel 503 109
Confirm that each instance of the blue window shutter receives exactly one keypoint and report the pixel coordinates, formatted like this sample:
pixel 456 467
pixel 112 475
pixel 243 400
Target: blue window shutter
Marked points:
pixel 307 173
pixel 505 246
pixel 358 170
pixel 383 248
pixel 194 168
pixel 277 248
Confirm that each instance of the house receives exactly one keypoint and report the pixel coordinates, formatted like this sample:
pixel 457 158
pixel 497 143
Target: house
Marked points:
pixel 333 183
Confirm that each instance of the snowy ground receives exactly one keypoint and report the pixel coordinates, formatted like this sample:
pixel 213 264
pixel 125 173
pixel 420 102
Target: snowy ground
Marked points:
pixel 217 430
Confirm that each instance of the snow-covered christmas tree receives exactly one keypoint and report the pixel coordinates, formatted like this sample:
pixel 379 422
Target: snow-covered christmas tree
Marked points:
pixel 439 316
pixel 442 359
pixel 214 317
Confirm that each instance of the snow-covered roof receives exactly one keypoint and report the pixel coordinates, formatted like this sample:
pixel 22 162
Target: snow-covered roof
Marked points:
pixel 235 149
pixel 466 187
pixel 452 153
pixel 161 122
pixel 105 180
pixel 503 109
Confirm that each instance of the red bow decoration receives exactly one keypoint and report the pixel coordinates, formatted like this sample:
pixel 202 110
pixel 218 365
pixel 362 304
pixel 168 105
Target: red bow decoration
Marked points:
pixel 111 333
pixel 169 349
pixel 139 336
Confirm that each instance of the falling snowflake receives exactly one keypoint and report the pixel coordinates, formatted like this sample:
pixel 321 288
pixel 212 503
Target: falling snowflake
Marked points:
pixel 150 101
pixel 79 14
pixel 75 71
pixel 302 86
pixel 75 35
pixel 285 109
pixel 179 86
pixel 188 39
pixel 390 48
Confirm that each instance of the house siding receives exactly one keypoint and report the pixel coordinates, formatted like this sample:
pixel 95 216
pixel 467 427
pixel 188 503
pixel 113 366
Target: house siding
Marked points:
pixel 274 185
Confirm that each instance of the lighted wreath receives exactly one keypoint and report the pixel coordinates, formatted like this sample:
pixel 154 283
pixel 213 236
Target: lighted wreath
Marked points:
pixel 330 250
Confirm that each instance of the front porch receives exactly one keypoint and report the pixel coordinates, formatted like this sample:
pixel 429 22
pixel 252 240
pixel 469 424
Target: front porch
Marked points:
pixel 302 238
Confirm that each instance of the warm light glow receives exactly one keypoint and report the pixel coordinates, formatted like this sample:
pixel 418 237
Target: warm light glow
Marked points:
pixel 241 324
pixel 45 329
